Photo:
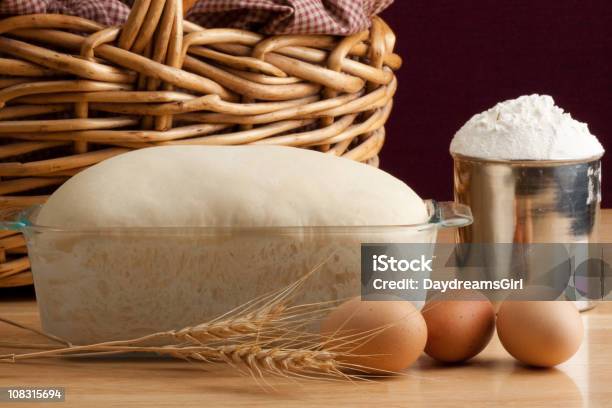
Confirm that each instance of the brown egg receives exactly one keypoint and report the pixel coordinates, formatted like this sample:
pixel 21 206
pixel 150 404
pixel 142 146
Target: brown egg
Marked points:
pixel 542 333
pixel 396 347
pixel 458 326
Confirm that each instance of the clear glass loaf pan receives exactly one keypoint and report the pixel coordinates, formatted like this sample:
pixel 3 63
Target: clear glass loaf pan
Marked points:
pixel 104 284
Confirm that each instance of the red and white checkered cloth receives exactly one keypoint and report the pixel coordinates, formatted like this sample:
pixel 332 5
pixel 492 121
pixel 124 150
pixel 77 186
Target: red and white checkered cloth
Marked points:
pixel 106 12
pixel 340 17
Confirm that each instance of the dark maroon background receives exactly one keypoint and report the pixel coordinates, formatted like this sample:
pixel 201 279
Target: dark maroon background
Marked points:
pixel 462 57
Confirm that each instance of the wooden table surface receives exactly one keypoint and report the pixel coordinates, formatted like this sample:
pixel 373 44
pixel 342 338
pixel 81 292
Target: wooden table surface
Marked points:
pixel 491 379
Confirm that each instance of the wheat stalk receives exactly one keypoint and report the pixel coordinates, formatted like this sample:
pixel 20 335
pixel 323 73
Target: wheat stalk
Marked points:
pixel 311 360
pixel 270 355
pixel 265 336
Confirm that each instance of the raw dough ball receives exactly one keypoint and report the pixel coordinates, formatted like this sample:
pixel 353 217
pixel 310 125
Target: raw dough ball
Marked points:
pixel 393 349
pixel 459 327
pixel 540 333
pixel 231 186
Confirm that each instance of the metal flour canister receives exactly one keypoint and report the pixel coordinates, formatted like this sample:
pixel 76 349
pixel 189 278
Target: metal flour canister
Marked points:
pixel 530 201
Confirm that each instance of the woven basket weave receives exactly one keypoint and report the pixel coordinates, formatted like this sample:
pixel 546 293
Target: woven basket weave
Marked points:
pixel 73 93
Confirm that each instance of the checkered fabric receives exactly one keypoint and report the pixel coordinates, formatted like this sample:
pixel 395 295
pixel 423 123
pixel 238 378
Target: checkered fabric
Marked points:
pixel 339 17
pixel 106 12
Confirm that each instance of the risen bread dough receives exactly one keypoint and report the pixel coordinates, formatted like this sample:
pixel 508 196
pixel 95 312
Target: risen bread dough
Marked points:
pixel 231 186
pixel 95 286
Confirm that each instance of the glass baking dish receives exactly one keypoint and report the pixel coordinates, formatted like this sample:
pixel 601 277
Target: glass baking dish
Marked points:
pixel 103 284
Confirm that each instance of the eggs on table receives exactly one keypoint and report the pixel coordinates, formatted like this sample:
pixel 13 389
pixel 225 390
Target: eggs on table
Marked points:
pixel 459 325
pixel 385 336
pixel 389 336
pixel 540 333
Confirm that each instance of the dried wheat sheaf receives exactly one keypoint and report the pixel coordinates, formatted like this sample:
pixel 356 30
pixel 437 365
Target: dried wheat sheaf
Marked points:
pixel 266 336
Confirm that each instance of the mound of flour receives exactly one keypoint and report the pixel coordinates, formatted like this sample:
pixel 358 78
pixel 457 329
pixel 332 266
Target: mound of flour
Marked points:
pixel 530 127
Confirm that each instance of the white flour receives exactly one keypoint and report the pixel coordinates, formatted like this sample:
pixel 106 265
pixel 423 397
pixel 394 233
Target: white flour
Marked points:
pixel 530 127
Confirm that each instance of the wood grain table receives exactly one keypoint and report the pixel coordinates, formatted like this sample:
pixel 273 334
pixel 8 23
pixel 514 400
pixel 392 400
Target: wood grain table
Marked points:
pixel 491 379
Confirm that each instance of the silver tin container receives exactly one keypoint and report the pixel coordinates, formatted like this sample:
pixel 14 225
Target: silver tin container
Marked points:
pixel 516 201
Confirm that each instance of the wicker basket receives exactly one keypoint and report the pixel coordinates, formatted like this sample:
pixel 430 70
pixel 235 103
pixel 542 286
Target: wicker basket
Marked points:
pixel 73 93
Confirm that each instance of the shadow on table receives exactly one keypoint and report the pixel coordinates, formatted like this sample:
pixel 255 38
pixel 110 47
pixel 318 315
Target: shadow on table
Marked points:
pixel 17 294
